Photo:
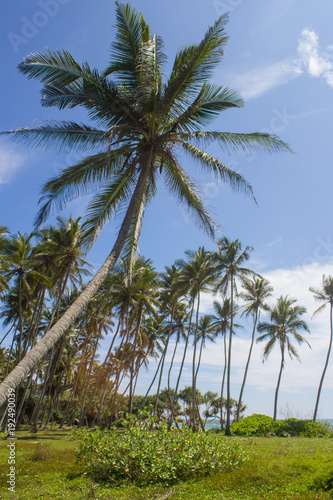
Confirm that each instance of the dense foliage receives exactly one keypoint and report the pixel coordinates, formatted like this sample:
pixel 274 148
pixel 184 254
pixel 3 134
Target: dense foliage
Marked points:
pixel 262 425
pixel 144 457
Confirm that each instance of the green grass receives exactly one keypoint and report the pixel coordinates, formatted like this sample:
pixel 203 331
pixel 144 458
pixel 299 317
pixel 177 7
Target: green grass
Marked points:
pixel 278 469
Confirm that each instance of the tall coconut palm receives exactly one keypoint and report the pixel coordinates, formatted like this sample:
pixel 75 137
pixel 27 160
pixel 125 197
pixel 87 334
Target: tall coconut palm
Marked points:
pixel 285 322
pixel 231 258
pixel 169 302
pixel 221 324
pixel 324 295
pixel 256 291
pixel 142 120
pixel 197 275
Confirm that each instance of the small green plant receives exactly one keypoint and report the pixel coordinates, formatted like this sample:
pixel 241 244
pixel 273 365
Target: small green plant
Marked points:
pixel 145 457
pixel 40 453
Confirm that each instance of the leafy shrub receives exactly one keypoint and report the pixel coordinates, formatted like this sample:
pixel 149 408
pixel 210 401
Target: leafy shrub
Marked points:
pixel 261 425
pixel 142 456
pixel 258 425
pixel 308 428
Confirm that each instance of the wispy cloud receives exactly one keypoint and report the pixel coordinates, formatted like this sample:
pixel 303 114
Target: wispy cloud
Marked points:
pixel 311 59
pixel 256 82
pixel 10 162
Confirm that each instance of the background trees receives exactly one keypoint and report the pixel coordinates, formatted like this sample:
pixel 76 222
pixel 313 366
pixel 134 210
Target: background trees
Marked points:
pixel 324 295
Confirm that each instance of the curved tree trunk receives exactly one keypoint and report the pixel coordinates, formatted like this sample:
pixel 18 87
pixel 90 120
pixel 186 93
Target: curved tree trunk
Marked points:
pixel 325 367
pixel 247 365
pixel 50 339
pixel 278 383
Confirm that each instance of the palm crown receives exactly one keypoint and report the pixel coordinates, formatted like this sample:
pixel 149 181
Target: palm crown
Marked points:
pixel 143 121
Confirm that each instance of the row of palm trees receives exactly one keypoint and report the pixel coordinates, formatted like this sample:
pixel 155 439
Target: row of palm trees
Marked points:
pixel 141 310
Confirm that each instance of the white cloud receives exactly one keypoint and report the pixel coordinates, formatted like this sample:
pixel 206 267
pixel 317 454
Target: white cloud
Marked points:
pixel 10 162
pixel 318 63
pixel 311 59
pixel 256 82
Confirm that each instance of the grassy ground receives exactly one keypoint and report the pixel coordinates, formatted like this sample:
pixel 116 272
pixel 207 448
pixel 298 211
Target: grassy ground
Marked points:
pixel 278 468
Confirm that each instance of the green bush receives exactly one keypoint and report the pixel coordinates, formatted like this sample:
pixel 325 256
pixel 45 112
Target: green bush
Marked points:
pixel 144 457
pixel 261 425
pixel 258 425
pixel 308 428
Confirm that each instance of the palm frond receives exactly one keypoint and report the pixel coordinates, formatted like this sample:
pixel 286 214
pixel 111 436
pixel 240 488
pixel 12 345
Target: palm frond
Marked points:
pixel 131 32
pixel 60 136
pixel 221 171
pixel 105 203
pixel 68 96
pixel 182 186
pixel 57 68
pixel 78 180
pixel 211 100
pixel 193 66
pixel 243 143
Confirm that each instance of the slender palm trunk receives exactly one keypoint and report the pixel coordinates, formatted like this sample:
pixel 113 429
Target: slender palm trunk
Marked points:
pixel 278 383
pixel 181 369
pixel 194 380
pixel 50 339
pixel 247 365
pixel 171 366
pixel 227 427
pixel 223 378
pixel 325 367
pixel 163 360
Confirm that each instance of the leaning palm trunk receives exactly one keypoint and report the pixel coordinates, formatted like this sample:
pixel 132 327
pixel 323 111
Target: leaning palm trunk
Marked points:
pixel 325 367
pixel 247 366
pixel 50 339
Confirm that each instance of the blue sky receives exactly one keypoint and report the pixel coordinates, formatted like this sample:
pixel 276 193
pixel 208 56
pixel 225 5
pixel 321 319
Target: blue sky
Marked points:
pixel 280 56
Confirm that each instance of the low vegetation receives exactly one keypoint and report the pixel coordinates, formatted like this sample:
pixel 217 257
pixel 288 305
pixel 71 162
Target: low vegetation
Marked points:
pixel 143 457
pixel 276 469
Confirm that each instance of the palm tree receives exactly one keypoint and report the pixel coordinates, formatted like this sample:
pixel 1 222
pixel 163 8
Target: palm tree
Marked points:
pixel 285 321
pixel 256 292
pixel 142 122
pixel 197 275
pixel 221 324
pixel 324 295
pixel 4 243
pixel 231 258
